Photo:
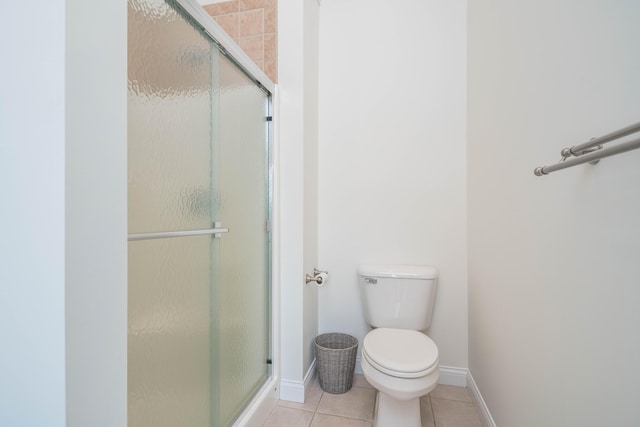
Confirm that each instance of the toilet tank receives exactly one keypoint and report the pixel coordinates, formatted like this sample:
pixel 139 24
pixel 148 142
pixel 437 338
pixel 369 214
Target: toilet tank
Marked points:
pixel 398 296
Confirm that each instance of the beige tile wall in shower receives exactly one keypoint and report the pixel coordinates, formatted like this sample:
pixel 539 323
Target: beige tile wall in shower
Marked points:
pixel 253 25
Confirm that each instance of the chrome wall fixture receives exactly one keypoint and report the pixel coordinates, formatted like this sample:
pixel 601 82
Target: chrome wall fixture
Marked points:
pixel 319 277
pixel 592 151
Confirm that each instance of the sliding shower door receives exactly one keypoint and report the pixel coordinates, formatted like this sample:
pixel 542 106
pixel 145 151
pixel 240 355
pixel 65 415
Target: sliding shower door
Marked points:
pixel 199 299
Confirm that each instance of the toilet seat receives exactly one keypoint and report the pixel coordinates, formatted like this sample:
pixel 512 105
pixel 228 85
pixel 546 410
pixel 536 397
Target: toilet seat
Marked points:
pixel 401 353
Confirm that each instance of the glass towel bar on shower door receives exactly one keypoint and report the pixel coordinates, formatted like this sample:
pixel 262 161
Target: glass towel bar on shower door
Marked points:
pixel 217 231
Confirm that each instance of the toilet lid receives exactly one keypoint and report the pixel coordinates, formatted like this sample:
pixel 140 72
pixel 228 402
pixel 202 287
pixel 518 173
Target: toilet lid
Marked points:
pixel 400 353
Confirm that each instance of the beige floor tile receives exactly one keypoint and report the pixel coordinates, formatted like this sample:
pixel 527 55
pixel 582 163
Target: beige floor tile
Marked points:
pixel 446 406
pixel 454 413
pixel 323 420
pixel 452 393
pixel 310 403
pixel 426 413
pixel 288 417
pixel 356 403
pixel 360 381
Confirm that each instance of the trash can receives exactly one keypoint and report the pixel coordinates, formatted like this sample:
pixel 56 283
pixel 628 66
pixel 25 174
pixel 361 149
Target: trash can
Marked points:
pixel 336 359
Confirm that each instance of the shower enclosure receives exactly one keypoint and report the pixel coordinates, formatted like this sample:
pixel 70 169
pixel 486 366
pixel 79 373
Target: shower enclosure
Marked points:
pixel 199 224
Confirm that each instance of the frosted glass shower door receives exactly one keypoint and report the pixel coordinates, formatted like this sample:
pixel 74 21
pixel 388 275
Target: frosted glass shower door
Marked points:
pixel 199 304
pixel 243 261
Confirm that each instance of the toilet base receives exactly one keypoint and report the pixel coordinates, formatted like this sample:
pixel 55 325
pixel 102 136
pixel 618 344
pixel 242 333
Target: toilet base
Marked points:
pixel 390 412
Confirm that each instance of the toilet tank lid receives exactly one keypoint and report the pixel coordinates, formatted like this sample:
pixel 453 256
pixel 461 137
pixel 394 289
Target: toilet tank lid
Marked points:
pixel 398 270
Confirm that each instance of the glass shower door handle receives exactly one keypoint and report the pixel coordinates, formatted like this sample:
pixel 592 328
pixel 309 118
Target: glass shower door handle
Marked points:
pixel 216 232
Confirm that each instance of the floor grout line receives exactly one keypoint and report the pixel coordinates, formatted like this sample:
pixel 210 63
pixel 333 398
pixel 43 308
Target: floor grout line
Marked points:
pixel 433 415
pixel 314 409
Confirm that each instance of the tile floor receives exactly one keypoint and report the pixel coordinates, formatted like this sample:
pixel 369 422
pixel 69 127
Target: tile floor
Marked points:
pixel 446 406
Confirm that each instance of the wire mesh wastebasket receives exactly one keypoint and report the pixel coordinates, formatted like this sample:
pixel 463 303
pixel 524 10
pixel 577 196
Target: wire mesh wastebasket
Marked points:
pixel 336 359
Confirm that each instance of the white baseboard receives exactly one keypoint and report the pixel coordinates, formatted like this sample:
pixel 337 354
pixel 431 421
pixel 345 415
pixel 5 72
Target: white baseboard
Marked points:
pixel 293 391
pixel 449 375
pixel 296 391
pixel 487 419
pixel 358 369
pixel 309 377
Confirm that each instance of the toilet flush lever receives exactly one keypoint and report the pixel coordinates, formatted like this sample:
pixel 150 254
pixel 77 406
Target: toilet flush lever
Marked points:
pixel 371 280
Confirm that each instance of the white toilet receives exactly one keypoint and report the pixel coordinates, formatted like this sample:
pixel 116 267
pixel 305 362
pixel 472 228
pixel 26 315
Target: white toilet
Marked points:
pixel 397 359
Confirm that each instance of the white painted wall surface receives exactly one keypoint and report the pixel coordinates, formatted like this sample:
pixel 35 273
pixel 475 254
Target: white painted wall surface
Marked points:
pixel 32 248
pixel 310 240
pixel 96 213
pixel 392 174
pixel 553 261
pixel 291 184
pixel 63 172
pixel 297 81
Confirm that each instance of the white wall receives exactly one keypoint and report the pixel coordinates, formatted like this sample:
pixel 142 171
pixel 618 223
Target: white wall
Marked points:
pixel 63 172
pixel 32 281
pixel 310 235
pixel 297 81
pixel 96 213
pixel 553 261
pixel 392 155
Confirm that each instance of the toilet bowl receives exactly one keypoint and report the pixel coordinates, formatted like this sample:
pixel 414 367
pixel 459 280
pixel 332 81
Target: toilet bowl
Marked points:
pixel 403 366
pixel 397 359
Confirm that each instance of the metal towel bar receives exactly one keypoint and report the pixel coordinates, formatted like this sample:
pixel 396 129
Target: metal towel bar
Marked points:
pixel 592 151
